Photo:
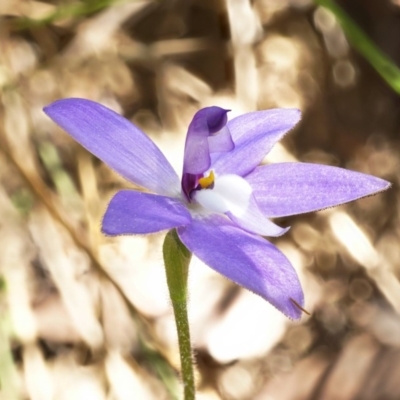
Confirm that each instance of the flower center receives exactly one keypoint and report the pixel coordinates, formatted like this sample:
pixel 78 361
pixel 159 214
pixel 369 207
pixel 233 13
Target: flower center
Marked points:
pixel 208 134
pixel 233 196
pixel 224 193
pixel 207 182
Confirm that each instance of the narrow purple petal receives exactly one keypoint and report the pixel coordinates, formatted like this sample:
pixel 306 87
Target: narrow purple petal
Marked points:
pixel 117 142
pixel 207 134
pixel 197 155
pixel 246 259
pixel 221 142
pixel 254 135
pixel 205 122
pixel 131 212
pixel 295 188
pixel 216 118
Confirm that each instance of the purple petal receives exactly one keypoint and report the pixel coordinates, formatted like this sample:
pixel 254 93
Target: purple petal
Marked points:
pixel 295 188
pixel 207 134
pixel 254 134
pixel 246 259
pixel 117 142
pixel 216 118
pixel 221 142
pixel 197 156
pixel 205 122
pixel 131 212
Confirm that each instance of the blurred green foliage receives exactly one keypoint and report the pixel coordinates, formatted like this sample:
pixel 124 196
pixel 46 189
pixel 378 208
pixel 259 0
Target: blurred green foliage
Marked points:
pixel 360 41
pixel 82 8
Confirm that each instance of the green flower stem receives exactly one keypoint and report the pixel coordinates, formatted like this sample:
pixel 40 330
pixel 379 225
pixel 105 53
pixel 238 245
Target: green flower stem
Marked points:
pixel 360 41
pixel 177 259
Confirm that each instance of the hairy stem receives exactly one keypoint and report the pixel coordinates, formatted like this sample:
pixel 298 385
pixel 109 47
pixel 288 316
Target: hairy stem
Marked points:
pixel 177 259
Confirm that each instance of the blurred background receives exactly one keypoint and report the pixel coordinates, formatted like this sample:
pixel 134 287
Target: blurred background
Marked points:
pixel 85 316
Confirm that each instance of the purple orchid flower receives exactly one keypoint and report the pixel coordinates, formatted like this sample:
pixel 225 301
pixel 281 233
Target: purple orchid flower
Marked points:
pixel 222 204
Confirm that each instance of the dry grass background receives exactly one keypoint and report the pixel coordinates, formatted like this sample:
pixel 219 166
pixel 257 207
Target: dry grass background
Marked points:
pixel 88 317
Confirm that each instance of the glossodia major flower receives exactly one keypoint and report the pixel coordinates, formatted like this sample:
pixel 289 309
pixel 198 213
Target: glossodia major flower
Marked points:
pixel 222 205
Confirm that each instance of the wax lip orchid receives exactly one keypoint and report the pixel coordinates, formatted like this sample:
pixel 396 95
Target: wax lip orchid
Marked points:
pixel 221 207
